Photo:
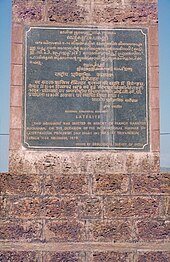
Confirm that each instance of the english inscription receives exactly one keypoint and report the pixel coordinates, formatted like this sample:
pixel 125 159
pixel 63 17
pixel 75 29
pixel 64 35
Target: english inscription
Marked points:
pixel 86 88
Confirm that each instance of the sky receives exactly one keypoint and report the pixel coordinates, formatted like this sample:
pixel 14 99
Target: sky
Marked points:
pixel 164 63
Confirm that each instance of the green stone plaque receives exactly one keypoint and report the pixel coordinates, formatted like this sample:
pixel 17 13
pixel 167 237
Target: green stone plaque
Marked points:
pixel 86 88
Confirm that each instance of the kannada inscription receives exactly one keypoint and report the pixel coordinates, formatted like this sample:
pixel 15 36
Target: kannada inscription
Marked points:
pixel 86 88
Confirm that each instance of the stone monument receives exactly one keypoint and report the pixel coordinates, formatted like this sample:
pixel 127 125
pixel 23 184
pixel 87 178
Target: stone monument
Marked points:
pixel 84 181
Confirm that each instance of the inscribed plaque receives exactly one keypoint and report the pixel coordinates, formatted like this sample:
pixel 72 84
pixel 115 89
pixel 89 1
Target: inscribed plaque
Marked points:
pixel 86 88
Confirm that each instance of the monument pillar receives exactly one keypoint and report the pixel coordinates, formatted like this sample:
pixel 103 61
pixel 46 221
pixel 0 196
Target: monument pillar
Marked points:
pixel 84 181
pixel 84 84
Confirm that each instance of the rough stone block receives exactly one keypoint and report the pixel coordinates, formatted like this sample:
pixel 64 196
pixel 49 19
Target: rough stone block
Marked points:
pixel 65 184
pixel 142 164
pixel 27 207
pixel 155 141
pixel 21 230
pixel 17 55
pixel 15 139
pixel 114 231
pixel 62 164
pixel 151 184
pixel 112 162
pixel 134 13
pixel 68 12
pixel 153 230
pixel 90 208
pixel 153 56
pixel 131 207
pixel 30 11
pixel 3 209
pixel 16 96
pixel 154 97
pixel 17 33
pixel 23 165
pixel 59 207
pixel 16 117
pixel 20 256
pixel 166 182
pixel 166 206
pixel 64 231
pixel 153 35
pixel 64 256
pixel 153 256
pixel 154 76
pixel 155 119
pixel 25 184
pixel 16 75
pixel 109 184
pixel 111 256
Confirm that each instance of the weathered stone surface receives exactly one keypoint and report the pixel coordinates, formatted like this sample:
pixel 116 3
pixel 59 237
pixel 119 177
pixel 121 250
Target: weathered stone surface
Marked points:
pixel 153 256
pixel 140 164
pixel 3 209
pixel 116 231
pixel 151 184
pixel 64 256
pixel 90 208
pixel 16 75
pixel 62 164
pixel 109 184
pixel 59 207
pixel 153 230
pixel 67 12
pixel 17 33
pixel 166 206
pixel 25 184
pixel 38 207
pixel 17 54
pixel 65 184
pixel 64 231
pixel 21 230
pixel 131 207
pixel 111 256
pixel 20 256
pixel 28 11
pixel 16 96
pixel 27 207
pixel 132 14
pixel 112 162
pixel 81 162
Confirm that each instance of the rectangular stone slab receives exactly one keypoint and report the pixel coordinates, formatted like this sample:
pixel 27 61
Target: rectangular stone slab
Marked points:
pixel 86 88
